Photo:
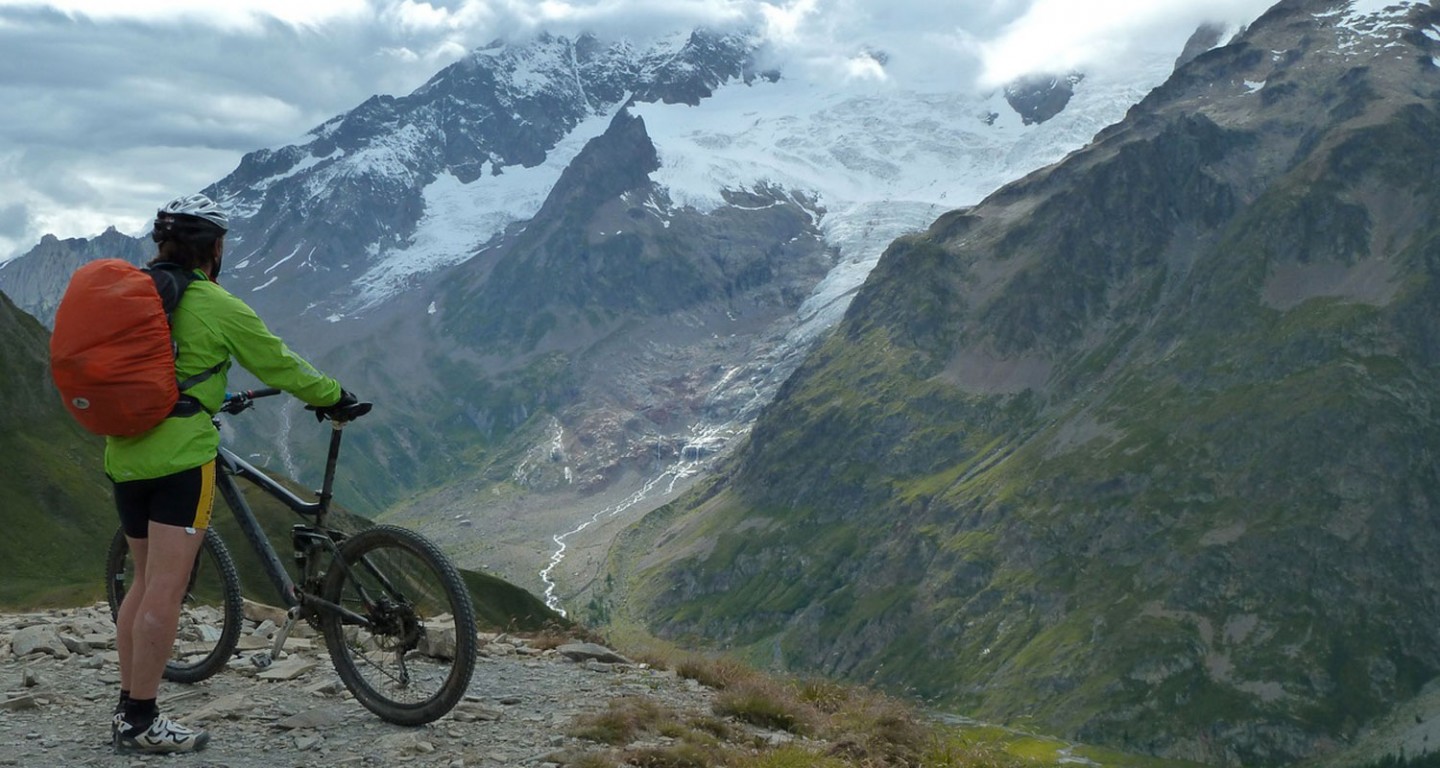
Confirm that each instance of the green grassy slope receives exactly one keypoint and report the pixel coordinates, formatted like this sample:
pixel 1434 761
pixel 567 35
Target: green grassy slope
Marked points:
pixel 1140 450
pixel 51 482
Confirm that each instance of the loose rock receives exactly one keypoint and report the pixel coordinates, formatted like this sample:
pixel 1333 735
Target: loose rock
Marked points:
pixel 518 709
pixel 591 652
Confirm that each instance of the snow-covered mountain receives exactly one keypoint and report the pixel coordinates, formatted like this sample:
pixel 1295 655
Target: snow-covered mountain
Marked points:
pixel 570 268
pixel 437 174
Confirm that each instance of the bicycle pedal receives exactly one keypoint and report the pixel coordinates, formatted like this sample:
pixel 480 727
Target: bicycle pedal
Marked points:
pixel 262 660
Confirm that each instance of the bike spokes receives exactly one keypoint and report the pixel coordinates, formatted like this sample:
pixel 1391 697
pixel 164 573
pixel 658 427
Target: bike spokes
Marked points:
pixel 210 611
pixel 405 660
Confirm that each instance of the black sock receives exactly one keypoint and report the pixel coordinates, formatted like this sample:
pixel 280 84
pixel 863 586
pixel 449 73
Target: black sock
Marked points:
pixel 139 714
pixel 124 699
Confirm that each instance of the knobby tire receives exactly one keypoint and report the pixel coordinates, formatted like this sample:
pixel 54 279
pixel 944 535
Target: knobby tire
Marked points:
pixel 214 584
pixel 408 591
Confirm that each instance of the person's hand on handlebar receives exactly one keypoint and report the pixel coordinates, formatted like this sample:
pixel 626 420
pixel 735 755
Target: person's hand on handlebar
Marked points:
pixel 347 408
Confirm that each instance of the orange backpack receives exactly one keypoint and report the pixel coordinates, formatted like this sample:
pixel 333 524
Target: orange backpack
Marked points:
pixel 111 354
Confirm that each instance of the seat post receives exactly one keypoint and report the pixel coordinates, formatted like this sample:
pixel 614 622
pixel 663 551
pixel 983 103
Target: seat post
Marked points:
pixel 327 489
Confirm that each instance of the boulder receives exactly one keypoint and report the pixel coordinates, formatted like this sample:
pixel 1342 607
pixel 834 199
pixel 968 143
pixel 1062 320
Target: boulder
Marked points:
pixel 591 652
pixel 39 638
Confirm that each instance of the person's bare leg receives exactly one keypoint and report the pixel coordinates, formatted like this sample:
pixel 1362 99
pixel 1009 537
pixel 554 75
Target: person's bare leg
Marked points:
pixel 125 617
pixel 170 556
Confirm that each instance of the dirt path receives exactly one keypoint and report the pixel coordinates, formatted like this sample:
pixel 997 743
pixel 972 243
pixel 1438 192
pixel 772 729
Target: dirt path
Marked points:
pixel 56 700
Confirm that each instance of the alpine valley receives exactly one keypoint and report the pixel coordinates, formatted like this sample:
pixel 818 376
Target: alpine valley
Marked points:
pixel 1129 435
pixel 571 272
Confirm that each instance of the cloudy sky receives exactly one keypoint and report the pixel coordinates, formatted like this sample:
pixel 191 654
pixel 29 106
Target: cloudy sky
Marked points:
pixel 112 107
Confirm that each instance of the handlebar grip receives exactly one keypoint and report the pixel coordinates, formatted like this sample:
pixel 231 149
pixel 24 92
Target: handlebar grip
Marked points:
pixel 236 402
pixel 251 394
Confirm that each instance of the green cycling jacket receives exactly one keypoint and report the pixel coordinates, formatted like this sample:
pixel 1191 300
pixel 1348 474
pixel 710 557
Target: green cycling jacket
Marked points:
pixel 211 326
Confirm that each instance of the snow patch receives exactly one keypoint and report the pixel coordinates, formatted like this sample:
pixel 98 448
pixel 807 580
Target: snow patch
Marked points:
pixel 310 161
pixel 1433 33
pixel 1253 86
pixel 391 155
pixel 265 284
pixel 460 217
pixel 430 310
pixel 1373 19
pixel 915 155
pixel 272 267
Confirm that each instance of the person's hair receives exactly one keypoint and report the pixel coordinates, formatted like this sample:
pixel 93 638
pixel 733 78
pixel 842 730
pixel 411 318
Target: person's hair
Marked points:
pixel 190 253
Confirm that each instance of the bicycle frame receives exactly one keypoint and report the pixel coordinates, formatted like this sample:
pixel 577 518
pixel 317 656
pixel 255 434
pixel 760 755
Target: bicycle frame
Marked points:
pixel 305 538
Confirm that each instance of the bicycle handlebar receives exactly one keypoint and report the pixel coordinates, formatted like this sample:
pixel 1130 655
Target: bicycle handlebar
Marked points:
pixel 235 402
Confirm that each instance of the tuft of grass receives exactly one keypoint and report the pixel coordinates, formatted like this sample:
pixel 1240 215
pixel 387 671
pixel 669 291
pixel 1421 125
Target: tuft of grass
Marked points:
pixel 624 720
pixel 554 634
pixel 951 750
pixel 717 672
pixel 826 696
pixel 791 756
pixel 767 705
pixel 682 755
pixel 838 725
pixel 592 760
pixel 711 726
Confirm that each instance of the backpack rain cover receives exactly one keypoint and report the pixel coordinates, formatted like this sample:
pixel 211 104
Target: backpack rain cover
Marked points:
pixel 111 354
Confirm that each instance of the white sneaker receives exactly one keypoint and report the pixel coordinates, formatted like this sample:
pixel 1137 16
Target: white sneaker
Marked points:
pixel 163 735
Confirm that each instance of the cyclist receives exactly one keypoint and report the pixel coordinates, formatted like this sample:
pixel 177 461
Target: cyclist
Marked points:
pixel 164 479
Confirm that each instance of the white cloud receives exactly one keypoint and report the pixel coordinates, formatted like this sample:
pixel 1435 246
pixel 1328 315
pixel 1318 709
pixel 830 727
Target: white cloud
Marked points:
pixel 1063 35
pixel 237 15
pixel 865 68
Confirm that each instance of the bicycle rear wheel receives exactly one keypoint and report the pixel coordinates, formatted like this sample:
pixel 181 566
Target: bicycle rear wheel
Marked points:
pixel 210 614
pixel 407 648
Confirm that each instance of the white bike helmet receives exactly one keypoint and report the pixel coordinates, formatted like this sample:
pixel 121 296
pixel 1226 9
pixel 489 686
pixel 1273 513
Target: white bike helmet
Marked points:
pixel 188 217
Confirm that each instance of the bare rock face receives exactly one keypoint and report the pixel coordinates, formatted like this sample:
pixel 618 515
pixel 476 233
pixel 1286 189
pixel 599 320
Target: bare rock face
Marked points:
pixel 1038 98
pixel 36 281
pixel 1206 37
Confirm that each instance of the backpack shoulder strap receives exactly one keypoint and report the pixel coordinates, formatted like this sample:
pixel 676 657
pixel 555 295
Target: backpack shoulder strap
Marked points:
pixel 171 280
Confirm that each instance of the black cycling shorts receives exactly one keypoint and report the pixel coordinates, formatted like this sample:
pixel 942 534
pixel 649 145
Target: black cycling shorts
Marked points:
pixel 184 499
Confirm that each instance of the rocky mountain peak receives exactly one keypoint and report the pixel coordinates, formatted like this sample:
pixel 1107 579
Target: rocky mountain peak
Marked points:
pixel 1206 37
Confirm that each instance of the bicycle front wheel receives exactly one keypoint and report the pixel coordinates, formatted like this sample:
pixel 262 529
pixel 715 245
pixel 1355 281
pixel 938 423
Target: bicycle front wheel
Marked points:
pixel 210 613
pixel 404 643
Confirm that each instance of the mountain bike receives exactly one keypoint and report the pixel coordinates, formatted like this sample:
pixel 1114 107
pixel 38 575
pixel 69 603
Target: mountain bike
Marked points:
pixel 394 613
